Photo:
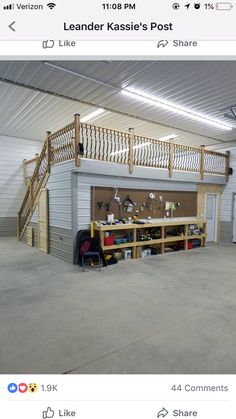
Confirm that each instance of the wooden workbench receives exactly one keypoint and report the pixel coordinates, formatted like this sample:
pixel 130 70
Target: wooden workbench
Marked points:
pixel 162 241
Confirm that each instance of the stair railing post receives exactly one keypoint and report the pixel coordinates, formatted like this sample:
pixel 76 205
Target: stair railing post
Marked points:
pixel 227 166
pixel 49 151
pixel 202 161
pixel 25 171
pixel 77 140
pixel 131 150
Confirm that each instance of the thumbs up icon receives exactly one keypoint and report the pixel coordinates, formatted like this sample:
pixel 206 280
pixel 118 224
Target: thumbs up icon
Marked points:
pixel 48 414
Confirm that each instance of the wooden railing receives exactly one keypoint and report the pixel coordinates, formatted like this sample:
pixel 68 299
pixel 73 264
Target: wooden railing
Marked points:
pixel 79 140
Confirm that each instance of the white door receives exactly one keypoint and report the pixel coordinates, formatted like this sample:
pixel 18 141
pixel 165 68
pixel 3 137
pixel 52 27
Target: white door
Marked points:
pixel 234 219
pixel 211 217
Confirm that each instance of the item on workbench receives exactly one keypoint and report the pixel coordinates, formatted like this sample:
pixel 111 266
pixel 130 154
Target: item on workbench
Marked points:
pixel 152 195
pixel 144 237
pixel 107 206
pixel 128 204
pixel 110 218
pixel 116 197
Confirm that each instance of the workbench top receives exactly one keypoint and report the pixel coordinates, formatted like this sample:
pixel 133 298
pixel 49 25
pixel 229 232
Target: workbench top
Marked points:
pixel 154 222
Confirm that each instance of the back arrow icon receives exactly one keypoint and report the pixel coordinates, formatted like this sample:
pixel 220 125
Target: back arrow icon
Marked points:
pixel 11 26
pixel 162 413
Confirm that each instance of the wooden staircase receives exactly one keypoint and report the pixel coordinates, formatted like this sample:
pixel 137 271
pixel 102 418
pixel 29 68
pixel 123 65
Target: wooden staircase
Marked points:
pixel 57 148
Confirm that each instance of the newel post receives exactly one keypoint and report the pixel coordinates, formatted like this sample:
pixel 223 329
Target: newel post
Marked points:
pixel 77 140
pixel 202 163
pixel 227 166
pixel 49 151
pixel 131 150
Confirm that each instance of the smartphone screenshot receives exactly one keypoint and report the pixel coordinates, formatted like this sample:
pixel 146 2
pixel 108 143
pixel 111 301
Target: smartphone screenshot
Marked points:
pixel 117 209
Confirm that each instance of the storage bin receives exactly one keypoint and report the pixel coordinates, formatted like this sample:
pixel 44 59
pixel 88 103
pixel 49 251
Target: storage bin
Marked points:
pixel 121 240
pixel 109 241
pixel 127 253
pixel 190 245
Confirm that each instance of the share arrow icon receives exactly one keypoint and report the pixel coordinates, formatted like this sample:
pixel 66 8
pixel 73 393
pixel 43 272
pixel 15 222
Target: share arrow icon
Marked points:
pixel 162 413
pixel 187 6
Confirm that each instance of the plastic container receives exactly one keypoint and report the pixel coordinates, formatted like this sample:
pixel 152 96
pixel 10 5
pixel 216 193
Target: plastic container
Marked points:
pixel 121 241
pixel 127 254
pixel 109 241
pixel 190 245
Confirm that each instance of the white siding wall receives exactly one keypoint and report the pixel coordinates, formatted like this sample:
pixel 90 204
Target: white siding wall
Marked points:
pixel 226 230
pixel 230 188
pixel 12 189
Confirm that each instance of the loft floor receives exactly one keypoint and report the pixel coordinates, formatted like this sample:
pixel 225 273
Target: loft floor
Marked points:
pixel 165 314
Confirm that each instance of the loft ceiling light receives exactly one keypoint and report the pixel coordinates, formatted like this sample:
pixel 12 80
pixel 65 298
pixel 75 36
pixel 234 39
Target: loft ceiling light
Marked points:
pixel 174 108
pixel 169 137
pixel 125 150
pixel 93 115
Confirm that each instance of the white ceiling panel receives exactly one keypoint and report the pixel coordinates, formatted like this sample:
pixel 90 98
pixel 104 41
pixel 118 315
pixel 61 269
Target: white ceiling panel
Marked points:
pixel 40 96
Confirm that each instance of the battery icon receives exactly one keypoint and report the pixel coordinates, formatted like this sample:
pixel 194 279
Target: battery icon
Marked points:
pixel 224 6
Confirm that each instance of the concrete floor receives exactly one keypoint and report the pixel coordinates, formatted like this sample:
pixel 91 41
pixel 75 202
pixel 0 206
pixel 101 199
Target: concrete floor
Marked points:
pixel 165 314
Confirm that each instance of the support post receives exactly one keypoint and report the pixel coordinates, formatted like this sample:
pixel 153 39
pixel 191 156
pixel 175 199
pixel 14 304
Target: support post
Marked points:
pixel 171 158
pixel 49 152
pixel 77 140
pixel 227 166
pixel 18 226
pixel 131 150
pixel 202 165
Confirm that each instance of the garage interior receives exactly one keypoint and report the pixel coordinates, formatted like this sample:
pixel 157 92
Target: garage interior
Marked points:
pixel 154 144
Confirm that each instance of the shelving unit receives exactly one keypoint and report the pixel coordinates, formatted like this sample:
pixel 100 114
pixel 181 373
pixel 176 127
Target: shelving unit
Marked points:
pixel 162 241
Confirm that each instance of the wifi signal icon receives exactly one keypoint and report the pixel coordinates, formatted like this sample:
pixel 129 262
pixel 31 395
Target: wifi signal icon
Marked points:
pixel 51 5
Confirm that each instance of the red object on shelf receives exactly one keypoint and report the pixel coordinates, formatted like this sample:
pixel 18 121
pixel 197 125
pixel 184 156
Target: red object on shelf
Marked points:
pixel 190 245
pixel 109 241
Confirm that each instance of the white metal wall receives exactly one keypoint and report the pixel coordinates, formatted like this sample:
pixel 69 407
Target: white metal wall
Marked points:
pixel 59 186
pixel 230 188
pixel 227 202
pixel 12 188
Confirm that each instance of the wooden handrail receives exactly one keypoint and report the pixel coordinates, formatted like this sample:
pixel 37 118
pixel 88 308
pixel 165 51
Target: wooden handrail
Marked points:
pixel 113 146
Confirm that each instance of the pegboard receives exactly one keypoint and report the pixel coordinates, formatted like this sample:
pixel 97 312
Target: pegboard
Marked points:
pixel 102 203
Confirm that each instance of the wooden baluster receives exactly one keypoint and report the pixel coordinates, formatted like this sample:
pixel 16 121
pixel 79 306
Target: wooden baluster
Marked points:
pixel 77 139
pixel 131 150
pixel 202 157
pixel 171 158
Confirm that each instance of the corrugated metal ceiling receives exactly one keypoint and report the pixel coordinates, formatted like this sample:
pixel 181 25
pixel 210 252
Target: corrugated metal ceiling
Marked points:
pixel 78 86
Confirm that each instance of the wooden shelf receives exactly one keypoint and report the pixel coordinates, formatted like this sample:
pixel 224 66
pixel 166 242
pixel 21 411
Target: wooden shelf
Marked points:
pixel 148 242
pixel 118 246
pixel 174 239
pixel 162 241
